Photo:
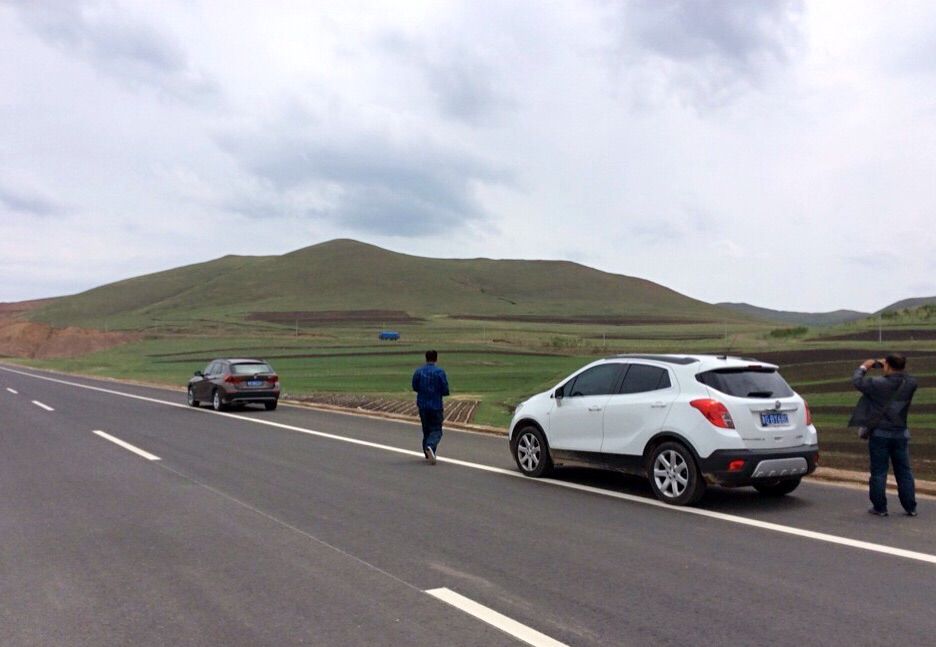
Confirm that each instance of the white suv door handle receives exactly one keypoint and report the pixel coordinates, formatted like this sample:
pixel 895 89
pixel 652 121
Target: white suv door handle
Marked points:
pixel 594 408
pixel 658 405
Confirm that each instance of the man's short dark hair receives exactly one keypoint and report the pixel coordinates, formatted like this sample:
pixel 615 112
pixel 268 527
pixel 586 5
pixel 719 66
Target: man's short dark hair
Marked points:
pixel 431 356
pixel 896 361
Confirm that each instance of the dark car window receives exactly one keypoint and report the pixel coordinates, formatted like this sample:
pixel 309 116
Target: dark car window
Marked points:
pixel 747 382
pixel 598 380
pixel 641 378
pixel 249 368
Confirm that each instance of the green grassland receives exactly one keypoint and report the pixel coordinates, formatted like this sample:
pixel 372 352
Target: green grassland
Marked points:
pixel 500 363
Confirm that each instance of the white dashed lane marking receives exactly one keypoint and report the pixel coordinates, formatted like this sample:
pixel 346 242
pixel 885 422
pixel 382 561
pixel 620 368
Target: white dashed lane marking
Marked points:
pixel 495 619
pixel 127 446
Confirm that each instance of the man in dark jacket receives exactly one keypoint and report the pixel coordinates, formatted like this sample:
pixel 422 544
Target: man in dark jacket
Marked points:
pixel 430 384
pixel 883 409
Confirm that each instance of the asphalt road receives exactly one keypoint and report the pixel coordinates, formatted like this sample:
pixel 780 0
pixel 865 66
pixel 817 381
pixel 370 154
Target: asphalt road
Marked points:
pixel 306 527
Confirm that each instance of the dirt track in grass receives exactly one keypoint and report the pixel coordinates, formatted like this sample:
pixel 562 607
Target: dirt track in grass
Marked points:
pixel 332 317
pixel 891 335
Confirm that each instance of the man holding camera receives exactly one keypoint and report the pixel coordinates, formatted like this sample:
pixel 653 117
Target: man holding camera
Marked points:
pixel 882 414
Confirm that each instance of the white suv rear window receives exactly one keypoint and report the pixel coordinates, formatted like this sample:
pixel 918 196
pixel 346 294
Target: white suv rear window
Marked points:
pixel 747 382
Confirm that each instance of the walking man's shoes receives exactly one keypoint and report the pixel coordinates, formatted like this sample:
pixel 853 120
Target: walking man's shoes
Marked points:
pixel 879 513
pixel 911 513
pixel 430 455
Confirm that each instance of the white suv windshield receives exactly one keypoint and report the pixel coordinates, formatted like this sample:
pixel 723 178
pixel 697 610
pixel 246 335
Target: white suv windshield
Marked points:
pixel 747 382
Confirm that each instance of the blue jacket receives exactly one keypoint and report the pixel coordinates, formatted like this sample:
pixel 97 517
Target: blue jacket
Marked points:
pixel 430 384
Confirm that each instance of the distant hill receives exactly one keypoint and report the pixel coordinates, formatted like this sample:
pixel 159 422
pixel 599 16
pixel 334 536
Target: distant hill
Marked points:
pixel 908 304
pixel 797 318
pixel 346 275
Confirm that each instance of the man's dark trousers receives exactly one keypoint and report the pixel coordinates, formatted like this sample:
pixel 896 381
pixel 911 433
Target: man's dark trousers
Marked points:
pixel 431 420
pixel 897 451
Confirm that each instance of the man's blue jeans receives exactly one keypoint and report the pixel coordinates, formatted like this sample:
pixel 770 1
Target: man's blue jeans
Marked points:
pixel 896 451
pixel 432 427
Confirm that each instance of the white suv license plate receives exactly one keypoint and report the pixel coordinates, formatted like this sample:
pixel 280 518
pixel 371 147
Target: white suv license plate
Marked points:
pixel 774 419
pixel 255 382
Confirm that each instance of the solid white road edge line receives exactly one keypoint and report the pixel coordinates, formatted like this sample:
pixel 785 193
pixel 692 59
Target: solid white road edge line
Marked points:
pixel 495 619
pixel 13 391
pixel 42 406
pixel 721 516
pixel 127 446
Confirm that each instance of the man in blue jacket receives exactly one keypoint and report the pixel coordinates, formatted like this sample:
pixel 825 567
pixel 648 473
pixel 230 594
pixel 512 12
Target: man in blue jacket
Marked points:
pixel 430 384
pixel 882 410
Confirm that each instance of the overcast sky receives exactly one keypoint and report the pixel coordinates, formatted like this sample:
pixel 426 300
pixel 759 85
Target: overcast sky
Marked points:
pixel 778 153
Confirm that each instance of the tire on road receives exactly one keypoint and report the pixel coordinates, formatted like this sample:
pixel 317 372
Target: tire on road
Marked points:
pixel 216 402
pixel 674 476
pixel 779 487
pixel 192 402
pixel 531 452
pixel 270 406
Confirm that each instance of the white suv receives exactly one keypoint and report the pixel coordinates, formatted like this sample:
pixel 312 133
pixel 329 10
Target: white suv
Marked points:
pixel 680 420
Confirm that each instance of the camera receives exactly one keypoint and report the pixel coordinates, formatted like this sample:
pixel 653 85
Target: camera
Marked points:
pixel 877 364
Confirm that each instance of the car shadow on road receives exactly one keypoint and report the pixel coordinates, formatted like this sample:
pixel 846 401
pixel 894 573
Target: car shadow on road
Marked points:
pixel 741 501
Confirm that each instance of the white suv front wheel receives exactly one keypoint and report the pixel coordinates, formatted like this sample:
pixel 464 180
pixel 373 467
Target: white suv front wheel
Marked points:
pixel 530 452
pixel 674 475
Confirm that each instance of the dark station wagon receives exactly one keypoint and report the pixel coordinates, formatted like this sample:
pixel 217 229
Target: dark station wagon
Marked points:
pixel 227 382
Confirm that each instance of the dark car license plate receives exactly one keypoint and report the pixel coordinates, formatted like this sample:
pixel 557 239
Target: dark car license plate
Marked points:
pixel 774 419
pixel 255 382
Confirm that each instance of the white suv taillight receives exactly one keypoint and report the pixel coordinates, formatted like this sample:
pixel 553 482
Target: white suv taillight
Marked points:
pixel 715 412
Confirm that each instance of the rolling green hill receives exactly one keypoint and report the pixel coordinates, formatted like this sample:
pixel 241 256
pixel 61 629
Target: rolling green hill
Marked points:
pixel 908 304
pixel 797 318
pixel 346 275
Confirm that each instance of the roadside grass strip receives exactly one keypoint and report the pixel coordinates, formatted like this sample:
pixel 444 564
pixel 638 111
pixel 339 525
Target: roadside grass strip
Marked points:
pixel 495 619
pixel 42 406
pixel 744 521
pixel 127 446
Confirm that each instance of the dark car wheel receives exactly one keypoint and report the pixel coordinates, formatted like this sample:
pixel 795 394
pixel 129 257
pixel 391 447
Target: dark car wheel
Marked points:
pixel 674 475
pixel 216 402
pixel 270 406
pixel 531 452
pixel 191 397
pixel 777 488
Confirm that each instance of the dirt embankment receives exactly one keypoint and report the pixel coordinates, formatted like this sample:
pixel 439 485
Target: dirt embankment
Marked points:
pixel 22 338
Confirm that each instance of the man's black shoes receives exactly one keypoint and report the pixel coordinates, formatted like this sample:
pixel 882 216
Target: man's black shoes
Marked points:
pixel 879 513
pixel 911 513
pixel 430 455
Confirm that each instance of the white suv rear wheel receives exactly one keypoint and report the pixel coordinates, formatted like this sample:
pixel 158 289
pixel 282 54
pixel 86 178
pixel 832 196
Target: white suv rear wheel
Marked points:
pixel 674 476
